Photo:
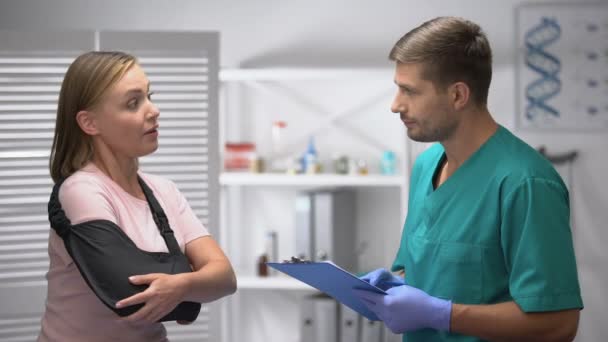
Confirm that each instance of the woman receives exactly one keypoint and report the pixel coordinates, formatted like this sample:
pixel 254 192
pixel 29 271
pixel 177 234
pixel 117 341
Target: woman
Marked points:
pixel 105 122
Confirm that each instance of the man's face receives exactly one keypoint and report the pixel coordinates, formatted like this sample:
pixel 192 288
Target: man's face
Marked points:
pixel 424 109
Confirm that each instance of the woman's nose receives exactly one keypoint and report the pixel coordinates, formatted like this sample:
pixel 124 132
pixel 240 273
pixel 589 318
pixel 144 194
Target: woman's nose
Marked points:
pixel 155 112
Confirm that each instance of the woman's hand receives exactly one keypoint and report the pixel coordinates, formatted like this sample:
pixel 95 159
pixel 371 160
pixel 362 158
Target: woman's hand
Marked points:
pixel 164 293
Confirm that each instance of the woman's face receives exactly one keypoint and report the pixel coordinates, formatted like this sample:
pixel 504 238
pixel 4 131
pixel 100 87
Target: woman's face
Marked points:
pixel 126 119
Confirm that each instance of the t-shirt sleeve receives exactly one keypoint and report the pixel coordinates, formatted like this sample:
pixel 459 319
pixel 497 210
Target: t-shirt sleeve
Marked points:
pixel 82 200
pixel 85 200
pixel 189 224
pixel 538 249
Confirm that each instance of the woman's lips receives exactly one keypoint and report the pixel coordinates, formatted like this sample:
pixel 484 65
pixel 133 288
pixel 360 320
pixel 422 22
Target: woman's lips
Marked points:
pixel 152 130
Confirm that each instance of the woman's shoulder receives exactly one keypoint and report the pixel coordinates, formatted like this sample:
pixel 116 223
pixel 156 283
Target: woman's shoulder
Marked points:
pixel 85 195
pixel 83 181
pixel 159 184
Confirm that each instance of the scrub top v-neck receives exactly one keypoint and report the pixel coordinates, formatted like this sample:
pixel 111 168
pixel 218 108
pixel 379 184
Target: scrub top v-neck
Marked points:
pixel 496 230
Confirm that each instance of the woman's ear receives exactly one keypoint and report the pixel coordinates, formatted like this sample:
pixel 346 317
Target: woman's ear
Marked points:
pixel 459 94
pixel 86 121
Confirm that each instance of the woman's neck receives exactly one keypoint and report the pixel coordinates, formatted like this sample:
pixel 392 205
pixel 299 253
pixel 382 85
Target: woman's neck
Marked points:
pixel 123 171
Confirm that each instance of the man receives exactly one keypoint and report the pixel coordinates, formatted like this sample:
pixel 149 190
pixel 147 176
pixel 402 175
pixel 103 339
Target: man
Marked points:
pixel 486 248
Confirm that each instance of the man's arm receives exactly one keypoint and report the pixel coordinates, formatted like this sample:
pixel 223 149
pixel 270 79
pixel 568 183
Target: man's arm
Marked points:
pixel 507 322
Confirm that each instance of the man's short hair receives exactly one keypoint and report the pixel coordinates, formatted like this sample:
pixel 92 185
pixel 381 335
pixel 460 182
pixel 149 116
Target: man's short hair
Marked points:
pixel 451 50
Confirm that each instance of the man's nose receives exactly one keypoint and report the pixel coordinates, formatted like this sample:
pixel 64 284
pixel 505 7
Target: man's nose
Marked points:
pixel 398 106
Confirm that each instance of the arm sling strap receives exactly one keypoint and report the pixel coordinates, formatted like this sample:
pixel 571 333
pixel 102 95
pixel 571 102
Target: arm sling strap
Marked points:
pixel 106 257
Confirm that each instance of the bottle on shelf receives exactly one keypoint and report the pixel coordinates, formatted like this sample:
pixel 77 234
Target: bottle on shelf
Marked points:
pixel 271 249
pixel 272 246
pixel 387 163
pixel 310 159
pixel 340 164
pixel 362 168
pixel 262 267
pixel 279 161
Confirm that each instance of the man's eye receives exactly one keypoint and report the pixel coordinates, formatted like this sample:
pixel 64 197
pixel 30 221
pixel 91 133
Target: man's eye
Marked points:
pixel 150 95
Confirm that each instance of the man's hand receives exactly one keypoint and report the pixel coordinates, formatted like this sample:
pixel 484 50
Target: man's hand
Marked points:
pixel 164 293
pixel 405 308
pixel 383 279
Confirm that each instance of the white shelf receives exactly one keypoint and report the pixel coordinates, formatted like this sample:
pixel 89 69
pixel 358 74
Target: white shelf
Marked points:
pixel 320 180
pixel 272 282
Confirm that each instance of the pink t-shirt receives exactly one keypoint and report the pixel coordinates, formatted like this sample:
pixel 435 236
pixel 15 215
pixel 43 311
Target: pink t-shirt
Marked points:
pixel 73 312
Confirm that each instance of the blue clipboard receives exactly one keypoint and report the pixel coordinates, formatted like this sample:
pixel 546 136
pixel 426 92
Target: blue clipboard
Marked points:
pixel 332 280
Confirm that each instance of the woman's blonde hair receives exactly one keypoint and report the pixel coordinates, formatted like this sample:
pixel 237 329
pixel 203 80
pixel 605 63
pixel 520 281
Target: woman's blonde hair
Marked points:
pixel 88 78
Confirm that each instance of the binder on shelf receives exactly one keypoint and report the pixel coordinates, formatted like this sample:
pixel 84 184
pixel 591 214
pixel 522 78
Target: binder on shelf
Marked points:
pixel 318 319
pixel 304 226
pixel 349 325
pixel 326 313
pixel 332 280
pixel 371 331
pixel 307 320
pixel 334 233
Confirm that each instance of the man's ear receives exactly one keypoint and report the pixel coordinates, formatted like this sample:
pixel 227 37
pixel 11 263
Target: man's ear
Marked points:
pixel 459 95
pixel 87 123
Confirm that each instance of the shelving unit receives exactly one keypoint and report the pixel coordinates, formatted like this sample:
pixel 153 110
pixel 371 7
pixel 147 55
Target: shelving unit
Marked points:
pixel 272 283
pixel 252 203
pixel 308 181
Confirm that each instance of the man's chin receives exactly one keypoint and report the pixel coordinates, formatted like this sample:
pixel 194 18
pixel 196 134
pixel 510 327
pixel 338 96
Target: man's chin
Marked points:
pixel 417 137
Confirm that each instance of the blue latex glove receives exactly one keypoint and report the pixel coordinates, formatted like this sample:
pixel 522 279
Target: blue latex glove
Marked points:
pixel 405 308
pixel 383 279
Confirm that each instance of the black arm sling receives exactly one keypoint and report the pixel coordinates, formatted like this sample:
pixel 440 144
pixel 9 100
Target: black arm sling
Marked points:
pixel 106 257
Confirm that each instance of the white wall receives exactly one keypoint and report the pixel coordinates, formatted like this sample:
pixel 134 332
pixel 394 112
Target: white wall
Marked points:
pixel 271 32
pixel 338 33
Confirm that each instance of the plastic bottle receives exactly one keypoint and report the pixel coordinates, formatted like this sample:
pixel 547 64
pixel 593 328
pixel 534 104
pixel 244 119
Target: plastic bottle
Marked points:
pixel 387 163
pixel 279 162
pixel 310 158
pixel 278 137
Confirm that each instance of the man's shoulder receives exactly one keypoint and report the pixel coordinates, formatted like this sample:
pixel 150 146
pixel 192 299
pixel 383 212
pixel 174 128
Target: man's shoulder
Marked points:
pixel 521 158
pixel 518 163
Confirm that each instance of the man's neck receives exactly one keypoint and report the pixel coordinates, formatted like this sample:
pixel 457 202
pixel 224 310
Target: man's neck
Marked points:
pixel 471 133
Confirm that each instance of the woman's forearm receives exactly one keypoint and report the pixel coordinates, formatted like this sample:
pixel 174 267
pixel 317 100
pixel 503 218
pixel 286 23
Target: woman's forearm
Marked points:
pixel 213 281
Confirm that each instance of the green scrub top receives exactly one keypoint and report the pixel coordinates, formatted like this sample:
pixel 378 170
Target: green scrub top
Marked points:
pixel 496 230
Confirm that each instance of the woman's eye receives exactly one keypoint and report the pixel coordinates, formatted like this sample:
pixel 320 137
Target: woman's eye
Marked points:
pixel 150 95
pixel 133 104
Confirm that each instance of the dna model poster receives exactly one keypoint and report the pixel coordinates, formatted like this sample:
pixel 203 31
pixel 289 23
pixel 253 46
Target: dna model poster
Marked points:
pixel 562 66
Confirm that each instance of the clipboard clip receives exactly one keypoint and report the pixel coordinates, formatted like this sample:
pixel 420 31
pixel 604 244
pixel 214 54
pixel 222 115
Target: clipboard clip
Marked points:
pixel 296 260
